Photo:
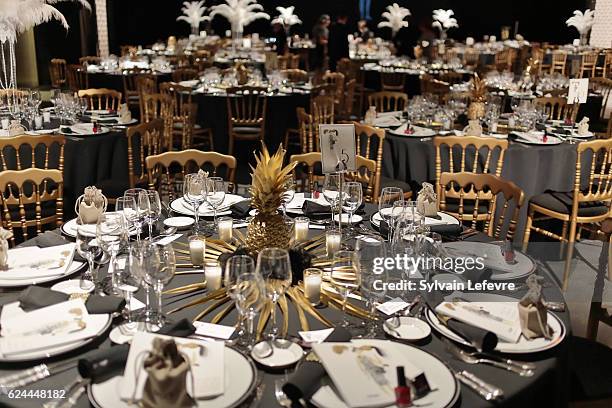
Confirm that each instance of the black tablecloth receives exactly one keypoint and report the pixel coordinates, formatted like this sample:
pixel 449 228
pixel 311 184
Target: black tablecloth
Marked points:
pixel 548 387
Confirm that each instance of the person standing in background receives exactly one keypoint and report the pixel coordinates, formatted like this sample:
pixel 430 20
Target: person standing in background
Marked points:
pixel 363 31
pixel 364 9
pixel 338 40
pixel 280 38
pixel 320 36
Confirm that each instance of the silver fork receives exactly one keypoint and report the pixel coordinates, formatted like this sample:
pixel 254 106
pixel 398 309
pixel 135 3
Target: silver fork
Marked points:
pixel 524 370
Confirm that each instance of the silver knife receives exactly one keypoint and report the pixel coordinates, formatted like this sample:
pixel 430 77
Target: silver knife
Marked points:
pixel 34 374
pixel 487 391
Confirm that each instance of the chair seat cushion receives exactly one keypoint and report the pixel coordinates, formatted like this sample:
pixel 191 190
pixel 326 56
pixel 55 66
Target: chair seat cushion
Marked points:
pixel 246 129
pixel 562 203
pixel 389 182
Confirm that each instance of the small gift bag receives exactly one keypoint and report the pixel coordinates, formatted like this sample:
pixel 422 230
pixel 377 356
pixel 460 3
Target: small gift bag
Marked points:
pixel 427 202
pixel 124 113
pixel 532 312
pixel 166 384
pixel 90 205
pixel 5 235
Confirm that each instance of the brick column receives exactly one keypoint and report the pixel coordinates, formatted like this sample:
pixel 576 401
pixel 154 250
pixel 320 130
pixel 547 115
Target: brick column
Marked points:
pixel 102 28
pixel 601 34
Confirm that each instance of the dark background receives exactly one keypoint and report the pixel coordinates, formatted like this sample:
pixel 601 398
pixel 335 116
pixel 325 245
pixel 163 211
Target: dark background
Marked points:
pixel 146 21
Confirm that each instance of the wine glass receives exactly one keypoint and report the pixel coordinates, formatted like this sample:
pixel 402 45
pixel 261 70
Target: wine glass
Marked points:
pixel 275 268
pixel 88 248
pixel 371 249
pixel 215 194
pixel 112 236
pixel 143 255
pixel 352 196
pixel 237 265
pixel 152 205
pixel 331 191
pixel 128 282
pixel 250 299
pixel 161 271
pixel 194 192
pixel 388 196
pixel 288 195
pixel 345 277
pixel 132 211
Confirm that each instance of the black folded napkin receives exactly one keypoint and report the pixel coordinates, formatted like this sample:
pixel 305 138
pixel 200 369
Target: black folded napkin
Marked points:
pixel 482 340
pixel 66 130
pixel 101 365
pixel 36 297
pixel 306 380
pixel 51 239
pixel 447 229
pixel 108 120
pixel 241 209
pixel 313 208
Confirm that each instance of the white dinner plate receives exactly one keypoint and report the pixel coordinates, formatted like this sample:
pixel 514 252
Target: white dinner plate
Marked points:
pixel 418 131
pixel 410 329
pixel 179 222
pixel 240 380
pixel 445 219
pixel 100 322
pixel 71 287
pixel 550 140
pixel 84 129
pixel 281 357
pixel 345 218
pixel 69 228
pixel 523 346
pixel 184 208
pixel 74 267
pixel 446 388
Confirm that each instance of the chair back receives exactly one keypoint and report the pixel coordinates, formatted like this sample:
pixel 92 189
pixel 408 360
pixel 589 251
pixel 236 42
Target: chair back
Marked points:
pixel 604 87
pixel 289 61
pixel 31 199
pixel 307 171
pixel 349 99
pixel 470 58
pixel 392 81
pixel 369 177
pixel 559 59
pixel 346 68
pixel 499 212
pixel 130 85
pixel 323 109
pixel 101 98
pixel 184 74
pixel 12 96
pixel 295 75
pixel 587 64
pixel 246 106
pixel 337 80
pixel 57 72
pixel 388 101
pixel 143 140
pixel 370 143
pixel 184 112
pixel 145 84
pixel 77 77
pixel 309 140
pixel 593 179
pixel 556 108
pixel 159 106
pixel 167 170
pixel 40 151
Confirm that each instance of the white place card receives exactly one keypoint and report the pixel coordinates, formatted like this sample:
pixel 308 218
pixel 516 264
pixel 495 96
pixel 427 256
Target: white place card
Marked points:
pixel 578 90
pixel 392 306
pixel 35 262
pixel 218 331
pixel 338 147
pixel 169 239
pixel 315 336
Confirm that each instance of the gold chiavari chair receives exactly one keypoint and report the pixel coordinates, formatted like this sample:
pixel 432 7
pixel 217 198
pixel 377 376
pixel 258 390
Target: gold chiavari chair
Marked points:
pixel 323 109
pixel 101 98
pixel 90 60
pixel 388 101
pixel 559 60
pixel 587 203
pixel 502 206
pixel 392 81
pixel 57 72
pixel 295 75
pixel 337 80
pixel 556 108
pixel 12 96
pixel 470 58
pixel 39 151
pixel 607 65
pixel 537 55
pixel 145 85
pixel 289 61
pixel 130 85
pixel 158 106
pixel 308 129
pixel 143 140
pixel 31 199
pixel 167 170
pixel 246 109
pixel 346 68
pixel 588 62
pixel 503 60
pixel 473 154
pixel 184 74
pixel 77 77
pixel 348 107
pixel 184 113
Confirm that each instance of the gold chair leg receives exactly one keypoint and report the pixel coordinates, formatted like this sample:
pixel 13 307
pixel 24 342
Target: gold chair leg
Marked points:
pixel 231 145
pixel 569 254
pixel 563 243
pixel 527 232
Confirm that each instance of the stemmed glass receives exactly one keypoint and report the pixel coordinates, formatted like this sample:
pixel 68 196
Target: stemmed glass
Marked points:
pixel 275 268
pixel 289 194
pixel 250 299
pixel 88 248
pixel 369 249
pixel 112 236
pixel 194 192
pixel 352 196
pixel 388 196
pixel 331 191
pixel 143 255
pixel 152 204
pixel 132 210
pixel 345 277
pixel 215 194
pixel 161 270
pixel 236 266
pixel 128 281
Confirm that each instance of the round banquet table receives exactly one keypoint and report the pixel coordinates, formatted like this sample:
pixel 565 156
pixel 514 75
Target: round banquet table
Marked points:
pixel 114 80
pixel 548 387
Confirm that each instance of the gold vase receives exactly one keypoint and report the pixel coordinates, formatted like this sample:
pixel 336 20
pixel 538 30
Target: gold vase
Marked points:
pixel 476 110
pixel 267 231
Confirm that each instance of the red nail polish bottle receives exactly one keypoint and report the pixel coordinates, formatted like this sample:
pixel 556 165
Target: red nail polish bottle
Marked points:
pixel 402 391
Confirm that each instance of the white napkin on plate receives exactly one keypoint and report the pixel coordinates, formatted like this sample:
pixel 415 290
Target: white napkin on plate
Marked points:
pixel 532 137
pixel 208 369
pixel 35 262
pixel 387 121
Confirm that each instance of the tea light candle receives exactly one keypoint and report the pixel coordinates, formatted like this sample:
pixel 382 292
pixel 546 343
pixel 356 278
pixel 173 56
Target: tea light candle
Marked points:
pixel 312 285
pixel 332 240
pixel 46 116
pixel 301 225
pixel 213 274
pixel 5 123
pixel 225 226
pixel 197 248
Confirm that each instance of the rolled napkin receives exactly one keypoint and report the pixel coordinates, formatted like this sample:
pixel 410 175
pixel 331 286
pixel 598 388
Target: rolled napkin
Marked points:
pixel 36 297
pixel 306 380
pixel 241 209
pixel 427 202
pixel 313 208
pixel 482 340
pixel 101 365
pixel 446 229
pixel 532 311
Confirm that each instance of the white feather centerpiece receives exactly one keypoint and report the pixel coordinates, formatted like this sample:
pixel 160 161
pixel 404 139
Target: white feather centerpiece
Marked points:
pixel 395 16
pixel 444 20
pixel 286 17
pixel 240 13
pixel 583 22
pixel 193 14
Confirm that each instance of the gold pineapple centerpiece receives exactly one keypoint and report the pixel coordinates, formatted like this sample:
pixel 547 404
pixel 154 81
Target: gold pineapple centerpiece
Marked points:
pixel 476 109
pixel 268 227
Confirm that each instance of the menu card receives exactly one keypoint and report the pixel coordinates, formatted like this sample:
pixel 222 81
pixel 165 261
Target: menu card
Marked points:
pixel 35 262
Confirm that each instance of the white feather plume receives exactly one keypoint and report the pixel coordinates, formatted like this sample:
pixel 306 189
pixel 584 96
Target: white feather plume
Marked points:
pixel 240 13
pixel 17 16
pixel 582 21
pixel 395 16
pixel 193 13
pixel 286 17
pixel 443 19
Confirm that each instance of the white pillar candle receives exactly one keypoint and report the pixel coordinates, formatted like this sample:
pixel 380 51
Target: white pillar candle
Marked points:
pixel 46 116
pixel 225 226
pixel 312 285
pixel 5 123
pixel 301 225
pixel 38 122
pixel 332 241
pixel 213 275
pixel 197 248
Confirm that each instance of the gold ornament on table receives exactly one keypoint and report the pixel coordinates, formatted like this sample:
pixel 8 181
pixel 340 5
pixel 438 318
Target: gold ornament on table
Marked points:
pixel 268 228
pixel 476 109
pixel 90 205
pixel 427 202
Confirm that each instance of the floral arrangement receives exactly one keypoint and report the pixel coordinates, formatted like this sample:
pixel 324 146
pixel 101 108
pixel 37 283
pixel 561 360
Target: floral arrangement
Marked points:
pixel 444 20
pixel 286 17
pixel 193 14
pixel 240 13
pixel 395 16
